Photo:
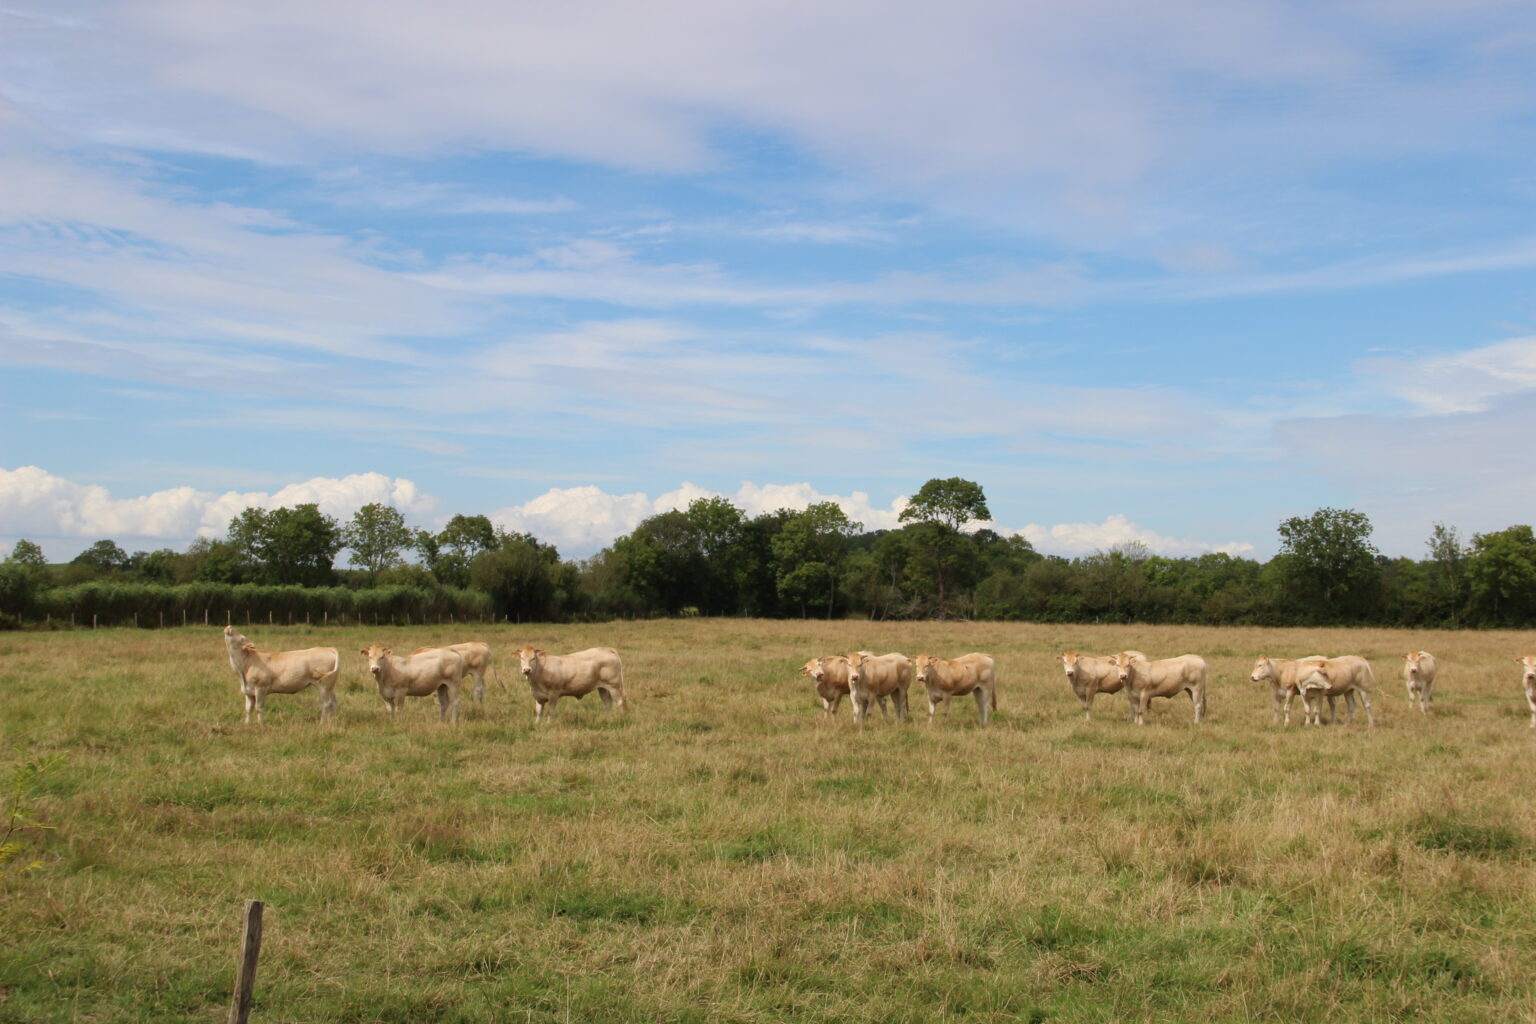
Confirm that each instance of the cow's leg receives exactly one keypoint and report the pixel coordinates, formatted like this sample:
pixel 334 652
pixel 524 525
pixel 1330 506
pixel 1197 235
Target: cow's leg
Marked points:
pixel 1427 697
pixel 261 705
pixel 327 703
pixel 1085 698
pixel 250 704
pixel 479 687
pixel 607 695
pixel 933 706
pixel 1333 709
pixel 538 711
pixel 1197 697
pixel 885 707
pixel 983 705
pixel 1365 698
pixel 1349 702
pixel 442 703
pixel 1290 698
pixel 1142 705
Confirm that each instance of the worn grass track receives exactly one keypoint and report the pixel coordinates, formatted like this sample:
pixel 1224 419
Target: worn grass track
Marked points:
pixel 722 854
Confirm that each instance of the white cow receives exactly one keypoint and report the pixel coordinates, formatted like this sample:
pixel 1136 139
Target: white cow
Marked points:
pixel 831 675
pixel 1168 677
pixel 1331 677
pixel 1281 674
pixel 1528 675
pixel 264 672
pixel 871 676
pixel 1419 674
pixel 438 670
pixel 1090 676
pixel 477 661
pixel 955 677
pixel 552 676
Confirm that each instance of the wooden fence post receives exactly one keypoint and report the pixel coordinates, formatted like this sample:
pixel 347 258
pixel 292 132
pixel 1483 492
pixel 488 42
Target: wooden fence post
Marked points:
pixel 245 967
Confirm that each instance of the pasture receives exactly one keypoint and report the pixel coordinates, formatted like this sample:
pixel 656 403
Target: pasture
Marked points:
pixel 721 853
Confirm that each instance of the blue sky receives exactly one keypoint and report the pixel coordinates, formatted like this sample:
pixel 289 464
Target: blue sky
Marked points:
pixel 1167 273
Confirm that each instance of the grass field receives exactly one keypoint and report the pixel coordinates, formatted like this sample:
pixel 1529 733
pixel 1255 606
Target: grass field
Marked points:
pixel 721 853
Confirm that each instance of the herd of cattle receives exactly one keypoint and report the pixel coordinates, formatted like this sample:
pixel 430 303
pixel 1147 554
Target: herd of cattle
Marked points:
pixel 863 676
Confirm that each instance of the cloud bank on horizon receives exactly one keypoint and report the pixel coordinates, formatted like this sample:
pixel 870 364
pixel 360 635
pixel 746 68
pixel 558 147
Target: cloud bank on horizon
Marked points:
pixel 1146 272
pixel 65 517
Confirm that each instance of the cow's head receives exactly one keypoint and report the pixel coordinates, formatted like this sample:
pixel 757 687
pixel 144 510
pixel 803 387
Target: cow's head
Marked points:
pixel 1068 661
pixel 1528 667
pixel 1123 665
pixel 375 653
pixel 924 663
pixel 1263 669
pixel 528 657
pixel 233 638
pixel 814 669
pixel 855 667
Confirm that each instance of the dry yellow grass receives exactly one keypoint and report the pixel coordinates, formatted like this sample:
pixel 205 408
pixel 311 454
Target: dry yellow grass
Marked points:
pixel 722 854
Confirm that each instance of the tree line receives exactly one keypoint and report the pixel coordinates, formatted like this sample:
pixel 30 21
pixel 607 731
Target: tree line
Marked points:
pixel 712 558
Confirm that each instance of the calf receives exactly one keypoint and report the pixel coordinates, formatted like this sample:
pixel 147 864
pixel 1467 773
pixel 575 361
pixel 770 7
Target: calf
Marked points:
pixel 1281 674
pixel 1330 677
pixel 871 676
pixel 1419 674
pixel 955 677
pixel 264 672
pixel 1528 676
pixel 552 676
pixel 438 670
pixel 477 661
pixel 1090 676
pixel 831 675
pixel 1145 679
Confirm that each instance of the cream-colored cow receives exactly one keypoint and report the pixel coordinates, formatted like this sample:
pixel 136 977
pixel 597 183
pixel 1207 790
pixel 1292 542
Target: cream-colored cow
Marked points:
pixel 552 676
pixel 1331 677
pixel 871 676
pixel 478 660
pixel 1528 676
pixel 1419 674
pixel 1168 677
pixel 1281 675
pixel 946 678
pixel 1090 676
pixel 438 670
pixel 264 672
pixel 831 675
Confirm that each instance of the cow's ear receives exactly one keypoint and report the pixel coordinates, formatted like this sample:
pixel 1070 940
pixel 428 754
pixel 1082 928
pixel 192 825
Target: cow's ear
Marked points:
pixel 247 647
pixel 538 653
pixel 388 652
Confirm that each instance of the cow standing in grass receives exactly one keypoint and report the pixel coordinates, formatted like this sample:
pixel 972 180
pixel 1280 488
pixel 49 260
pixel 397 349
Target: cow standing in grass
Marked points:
pixel 1168 677
pixel 871 676
pixel 433 670
pixel 552 676
pixel 1090 676
pixel 1528 677
pixel 946 678
pixel 1281 673
pixel 1419 674
pixel 831 675
pixel 264 672
pixel 478 660
pixel 1332 677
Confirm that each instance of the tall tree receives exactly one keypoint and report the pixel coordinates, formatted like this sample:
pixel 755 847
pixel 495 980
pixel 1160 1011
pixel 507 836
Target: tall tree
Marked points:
pixel 102 557
pixel 938 512
pixel 376 536
pixel 521 575
pixel 809 552
pixel 29 553
pixel 450 552
pixel 288 545
pixel 1329 564
pixel 1502 574
pixel 1448 557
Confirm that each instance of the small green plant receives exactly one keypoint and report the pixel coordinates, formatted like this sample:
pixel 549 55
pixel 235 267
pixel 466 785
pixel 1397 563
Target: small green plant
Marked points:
pixel 23 784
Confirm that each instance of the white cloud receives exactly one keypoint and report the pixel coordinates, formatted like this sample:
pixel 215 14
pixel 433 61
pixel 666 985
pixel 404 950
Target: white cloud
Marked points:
pixel 1087 538
pixel 1461 381
pixel 61 513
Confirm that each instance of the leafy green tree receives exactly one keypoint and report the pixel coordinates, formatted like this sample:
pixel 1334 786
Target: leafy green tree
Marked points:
pixel 809 553
pixel 449 552
pixel 102 558
pixel 937 513
pixel 1501 572
pixel 522 577
pixel 1448 558
pixel 157 566
pixel 716 526
pixel 29 553
pixel 288 545
pixel 376 536
pixel 1328 565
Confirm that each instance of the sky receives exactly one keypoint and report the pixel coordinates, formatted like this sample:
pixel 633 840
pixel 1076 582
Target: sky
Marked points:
pixel 1167 273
